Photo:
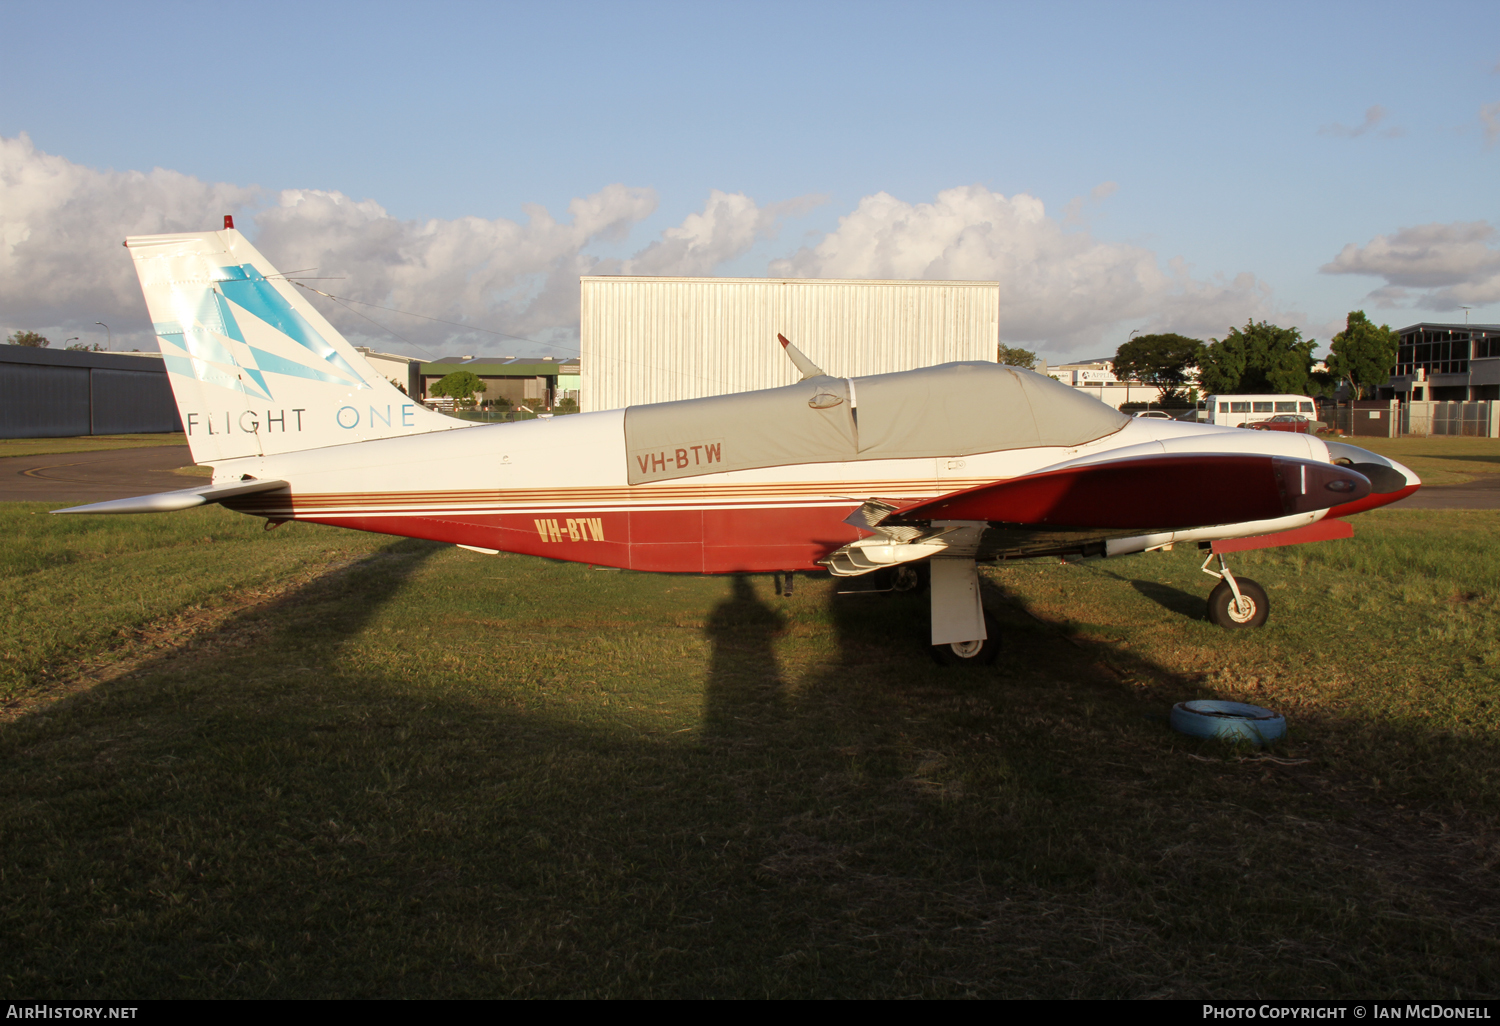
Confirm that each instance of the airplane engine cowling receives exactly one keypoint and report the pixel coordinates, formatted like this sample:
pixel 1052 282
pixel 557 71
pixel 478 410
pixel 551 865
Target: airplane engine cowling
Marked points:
pixel 1168 492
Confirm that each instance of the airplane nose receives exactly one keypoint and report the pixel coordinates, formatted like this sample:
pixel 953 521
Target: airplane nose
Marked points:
pixel 1386 475
pixel 1307 486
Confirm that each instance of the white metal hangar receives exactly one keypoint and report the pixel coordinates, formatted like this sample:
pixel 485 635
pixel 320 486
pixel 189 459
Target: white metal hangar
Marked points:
pixel 653 340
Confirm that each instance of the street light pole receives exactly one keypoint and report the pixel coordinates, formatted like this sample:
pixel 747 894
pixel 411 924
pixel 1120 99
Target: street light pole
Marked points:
pixel 109 336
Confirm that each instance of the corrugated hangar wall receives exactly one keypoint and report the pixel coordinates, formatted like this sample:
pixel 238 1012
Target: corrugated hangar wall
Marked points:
pixel 49 394
pixel 652 340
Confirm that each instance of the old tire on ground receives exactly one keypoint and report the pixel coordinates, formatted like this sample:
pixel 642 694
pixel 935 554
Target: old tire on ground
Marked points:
pixel 1223 610
pixel 1231 721
pixel 971 653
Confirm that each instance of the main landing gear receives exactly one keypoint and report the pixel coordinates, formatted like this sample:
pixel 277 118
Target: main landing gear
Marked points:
pixel 1235 601
pixel 963 634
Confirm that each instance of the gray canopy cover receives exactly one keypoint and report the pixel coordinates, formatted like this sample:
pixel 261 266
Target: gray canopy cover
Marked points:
pixel 956 409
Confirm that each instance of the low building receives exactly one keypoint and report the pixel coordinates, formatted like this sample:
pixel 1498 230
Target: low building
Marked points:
pixel 1084 372
pixel 1097 377
pixel 49 393
pixel 509 381
pixel 1446 362
pixel 401 371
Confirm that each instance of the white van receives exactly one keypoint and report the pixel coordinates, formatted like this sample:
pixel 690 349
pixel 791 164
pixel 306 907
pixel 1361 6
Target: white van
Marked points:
pixel 1238 410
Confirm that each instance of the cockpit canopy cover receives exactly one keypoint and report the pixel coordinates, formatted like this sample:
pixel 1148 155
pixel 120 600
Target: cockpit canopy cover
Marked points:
pixel 956 409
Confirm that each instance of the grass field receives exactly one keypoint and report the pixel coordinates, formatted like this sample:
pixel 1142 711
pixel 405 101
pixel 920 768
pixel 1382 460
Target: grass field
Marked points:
pixel 1439 460
pixel 85 443
pixel 316 763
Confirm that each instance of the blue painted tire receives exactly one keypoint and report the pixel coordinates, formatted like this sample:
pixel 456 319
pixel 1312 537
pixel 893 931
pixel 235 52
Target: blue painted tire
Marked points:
pixel 1231 721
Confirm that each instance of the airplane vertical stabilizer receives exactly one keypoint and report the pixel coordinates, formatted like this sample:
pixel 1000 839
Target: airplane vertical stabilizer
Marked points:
pixel 255 369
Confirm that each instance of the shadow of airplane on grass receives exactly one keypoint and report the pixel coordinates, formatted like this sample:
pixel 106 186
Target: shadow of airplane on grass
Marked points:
pixel 301 805
pixel 1174 599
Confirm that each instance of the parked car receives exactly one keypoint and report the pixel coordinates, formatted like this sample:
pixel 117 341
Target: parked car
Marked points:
pixel 1196 417
pixel 1154 415
pixel 1287 422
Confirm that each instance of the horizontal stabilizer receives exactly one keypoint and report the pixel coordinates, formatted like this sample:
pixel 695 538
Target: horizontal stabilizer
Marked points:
pixel 1168 492
pixel 187 498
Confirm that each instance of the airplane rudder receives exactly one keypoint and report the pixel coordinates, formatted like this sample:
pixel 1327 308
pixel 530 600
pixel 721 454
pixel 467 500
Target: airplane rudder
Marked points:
pixel 254 367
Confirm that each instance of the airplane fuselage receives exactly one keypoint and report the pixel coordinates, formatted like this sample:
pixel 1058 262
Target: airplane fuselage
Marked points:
pixel 557 488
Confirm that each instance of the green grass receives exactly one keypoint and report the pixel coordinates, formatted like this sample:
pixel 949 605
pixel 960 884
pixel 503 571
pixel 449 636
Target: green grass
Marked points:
pixel 85 443
pixel 395 769
pixel 72 588
pixel 1439 460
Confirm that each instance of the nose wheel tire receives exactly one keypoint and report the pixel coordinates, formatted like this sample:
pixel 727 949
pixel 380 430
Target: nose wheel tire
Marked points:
pixel 1251 610
pixel 970 653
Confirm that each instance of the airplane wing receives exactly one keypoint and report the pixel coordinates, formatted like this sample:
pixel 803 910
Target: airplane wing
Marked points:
pixel 186 498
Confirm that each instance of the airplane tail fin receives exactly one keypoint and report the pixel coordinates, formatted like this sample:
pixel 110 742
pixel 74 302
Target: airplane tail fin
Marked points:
pixel 255 369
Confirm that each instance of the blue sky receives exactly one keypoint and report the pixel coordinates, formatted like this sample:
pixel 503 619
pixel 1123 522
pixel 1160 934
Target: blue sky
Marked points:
pixel 1236 139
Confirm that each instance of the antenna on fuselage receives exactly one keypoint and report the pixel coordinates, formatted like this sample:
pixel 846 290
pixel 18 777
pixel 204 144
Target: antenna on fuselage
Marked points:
pixel 799 359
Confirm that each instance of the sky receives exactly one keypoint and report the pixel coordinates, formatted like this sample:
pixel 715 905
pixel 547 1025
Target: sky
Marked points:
pixel 1116 167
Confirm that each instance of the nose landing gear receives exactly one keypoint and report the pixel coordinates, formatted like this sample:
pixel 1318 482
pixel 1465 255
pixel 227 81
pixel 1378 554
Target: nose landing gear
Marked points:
pixel 1235 601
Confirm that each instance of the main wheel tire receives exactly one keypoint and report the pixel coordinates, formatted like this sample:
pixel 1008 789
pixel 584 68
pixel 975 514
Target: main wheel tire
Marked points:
pixel 971 653
pixel 1223 610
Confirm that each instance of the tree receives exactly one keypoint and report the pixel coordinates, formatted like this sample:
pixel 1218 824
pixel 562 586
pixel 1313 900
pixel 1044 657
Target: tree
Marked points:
pixel 1260 358
pixel 1161 360
pixel 84 347
pixel 460 385
pixel 1012 356
pixel 1362 354
pixel 28 338
pixel 1322 383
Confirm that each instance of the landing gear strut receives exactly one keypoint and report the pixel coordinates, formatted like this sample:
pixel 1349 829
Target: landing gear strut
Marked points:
pixel 1235 601
pixel 963 634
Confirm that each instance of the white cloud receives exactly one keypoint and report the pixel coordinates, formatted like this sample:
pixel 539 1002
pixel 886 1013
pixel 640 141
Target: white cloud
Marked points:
pixel 520 278
pixel 61 225
pixel 1374 116
pixel 1061 289
pixel 1434 266
pixel 728 226
pixel 1489 117
pixel 62 268
pixel 1073 211
pixel 499 275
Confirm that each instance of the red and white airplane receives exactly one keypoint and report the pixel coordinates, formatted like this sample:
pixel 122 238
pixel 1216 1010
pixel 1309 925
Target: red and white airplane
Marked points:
pixel 871 478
